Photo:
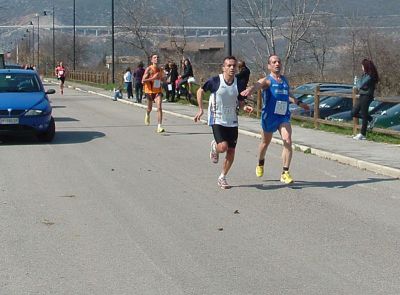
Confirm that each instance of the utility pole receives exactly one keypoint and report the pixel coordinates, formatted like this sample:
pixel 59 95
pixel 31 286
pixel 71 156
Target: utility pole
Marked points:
pixel 112 42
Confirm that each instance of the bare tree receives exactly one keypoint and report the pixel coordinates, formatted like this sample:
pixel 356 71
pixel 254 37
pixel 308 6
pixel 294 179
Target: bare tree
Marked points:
pixel 319 41
pixel 177 32
pixel 135 22
pixel 287 20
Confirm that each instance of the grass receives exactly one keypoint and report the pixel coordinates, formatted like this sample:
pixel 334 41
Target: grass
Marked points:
pixel 371 135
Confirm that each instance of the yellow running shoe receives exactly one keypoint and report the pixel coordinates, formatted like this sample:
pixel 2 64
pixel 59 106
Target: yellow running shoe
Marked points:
pixel 286 178
pixel 160 130
pixel 147 119
pixel 259 171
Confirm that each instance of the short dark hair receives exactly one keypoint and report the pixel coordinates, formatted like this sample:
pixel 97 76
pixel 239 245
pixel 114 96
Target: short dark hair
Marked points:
pixel 271 55
pixel 229 57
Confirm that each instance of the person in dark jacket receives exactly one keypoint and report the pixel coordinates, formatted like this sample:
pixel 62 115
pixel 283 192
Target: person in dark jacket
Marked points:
pixel 138 75
pixel 173 76
pixel 365 87
pixel 187 73
pixel 244 72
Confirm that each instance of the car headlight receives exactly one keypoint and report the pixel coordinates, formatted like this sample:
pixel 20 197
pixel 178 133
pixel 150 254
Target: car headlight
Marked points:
pixel 34 113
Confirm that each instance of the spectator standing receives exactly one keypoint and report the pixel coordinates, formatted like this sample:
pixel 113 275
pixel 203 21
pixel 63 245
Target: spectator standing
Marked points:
pixel 138 76
pixel 224 100
pixel 167 73
pixel 172 81
pixel 275 115
pixel 366 88
pixel 152 78
pixel 244 72
pixel 128 82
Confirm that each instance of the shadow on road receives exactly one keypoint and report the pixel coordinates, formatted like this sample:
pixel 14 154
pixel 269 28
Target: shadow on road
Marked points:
pixel 275 184
pixel 61 137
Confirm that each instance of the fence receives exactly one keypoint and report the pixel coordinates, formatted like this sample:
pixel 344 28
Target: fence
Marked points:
pixel 102 77
pixel 316 118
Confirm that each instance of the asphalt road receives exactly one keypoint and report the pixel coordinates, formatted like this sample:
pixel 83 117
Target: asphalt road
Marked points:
pixel 112 207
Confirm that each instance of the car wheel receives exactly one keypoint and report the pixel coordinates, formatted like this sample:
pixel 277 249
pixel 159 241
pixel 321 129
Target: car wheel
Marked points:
pixel 48 135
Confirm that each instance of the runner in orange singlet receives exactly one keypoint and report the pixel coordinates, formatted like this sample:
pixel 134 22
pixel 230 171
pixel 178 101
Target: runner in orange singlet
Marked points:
pixel 152 82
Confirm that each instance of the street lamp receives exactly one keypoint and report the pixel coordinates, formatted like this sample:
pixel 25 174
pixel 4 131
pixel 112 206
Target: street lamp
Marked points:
pixel 229 35
pixel 38 41
pixel 112 42
pixel 33 41
pixel 74 37
pixel 53 39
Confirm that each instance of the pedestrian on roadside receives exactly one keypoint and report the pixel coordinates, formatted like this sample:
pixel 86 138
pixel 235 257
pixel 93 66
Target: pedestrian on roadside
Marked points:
pixel 167 73
pixel 138 75
pixel 60 72
pixel 275 115
pixel 224 101
pixel 152 79
pixel 172 81
pixel 244 72
pixel 366 88
pixel 128 82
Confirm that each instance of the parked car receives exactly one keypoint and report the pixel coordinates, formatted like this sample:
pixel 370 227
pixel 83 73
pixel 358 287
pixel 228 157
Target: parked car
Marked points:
pixel 309 98
pixel 329 105
pixel 376 107
pixel 395 127
pixel 387 118
pixel 24 105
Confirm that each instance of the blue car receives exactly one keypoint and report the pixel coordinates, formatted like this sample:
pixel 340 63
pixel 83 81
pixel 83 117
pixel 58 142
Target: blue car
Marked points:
pixel 24 105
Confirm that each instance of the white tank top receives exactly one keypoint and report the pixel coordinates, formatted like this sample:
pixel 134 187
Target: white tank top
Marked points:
pixel 222 106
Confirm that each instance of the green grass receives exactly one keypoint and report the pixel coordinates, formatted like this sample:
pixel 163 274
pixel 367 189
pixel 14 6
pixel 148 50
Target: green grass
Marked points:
pixel 371 135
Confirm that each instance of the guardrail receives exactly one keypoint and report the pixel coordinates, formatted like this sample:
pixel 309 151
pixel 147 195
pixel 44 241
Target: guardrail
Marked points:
pixel 316 118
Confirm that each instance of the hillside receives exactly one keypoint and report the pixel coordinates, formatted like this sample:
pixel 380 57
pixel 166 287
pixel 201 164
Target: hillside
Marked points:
pixel 202 12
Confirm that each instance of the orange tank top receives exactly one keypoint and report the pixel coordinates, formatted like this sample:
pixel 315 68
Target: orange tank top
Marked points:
pixel 154 86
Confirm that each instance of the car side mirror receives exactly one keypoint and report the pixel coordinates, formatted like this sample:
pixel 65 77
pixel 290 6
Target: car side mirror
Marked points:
pixel 50 91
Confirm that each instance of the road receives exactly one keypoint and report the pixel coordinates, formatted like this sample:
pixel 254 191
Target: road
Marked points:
pixel 112 207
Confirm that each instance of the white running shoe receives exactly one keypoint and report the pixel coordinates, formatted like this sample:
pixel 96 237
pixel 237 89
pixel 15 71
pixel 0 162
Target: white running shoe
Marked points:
pixel 359 136
pixel 214 156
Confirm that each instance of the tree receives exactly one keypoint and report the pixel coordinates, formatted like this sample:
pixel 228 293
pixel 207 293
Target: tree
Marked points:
pixel 281 24
pixel 136 19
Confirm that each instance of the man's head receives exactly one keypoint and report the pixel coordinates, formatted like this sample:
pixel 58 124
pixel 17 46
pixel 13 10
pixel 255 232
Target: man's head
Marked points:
pixel 229 66
pixel 241 64
pixel 274 64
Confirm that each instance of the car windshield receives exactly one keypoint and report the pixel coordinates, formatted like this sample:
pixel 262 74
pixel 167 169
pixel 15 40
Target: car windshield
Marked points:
pixel 330 101
pixel 19 82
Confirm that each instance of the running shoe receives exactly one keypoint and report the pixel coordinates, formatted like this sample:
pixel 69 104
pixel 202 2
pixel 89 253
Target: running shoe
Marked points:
pixel 286 178
pixel 259 171
pixel 160 130
pixel 147 119
pixel 359 136
pixel 214 156
pixel 222 183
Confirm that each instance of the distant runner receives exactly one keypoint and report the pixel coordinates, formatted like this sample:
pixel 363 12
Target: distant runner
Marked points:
pixel 60 73
pixel 152 79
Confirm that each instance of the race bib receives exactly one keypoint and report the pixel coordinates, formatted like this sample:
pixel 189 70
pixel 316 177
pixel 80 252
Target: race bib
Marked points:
pixel 280 107
pixel 157 84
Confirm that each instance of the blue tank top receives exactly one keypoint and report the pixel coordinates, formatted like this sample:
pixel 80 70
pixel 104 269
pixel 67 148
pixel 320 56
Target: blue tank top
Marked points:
pixel 276 98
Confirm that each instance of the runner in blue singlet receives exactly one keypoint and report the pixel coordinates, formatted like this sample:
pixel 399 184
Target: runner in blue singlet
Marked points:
pixel 275 115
